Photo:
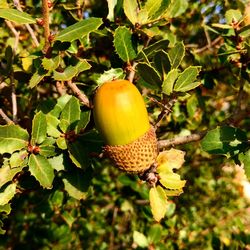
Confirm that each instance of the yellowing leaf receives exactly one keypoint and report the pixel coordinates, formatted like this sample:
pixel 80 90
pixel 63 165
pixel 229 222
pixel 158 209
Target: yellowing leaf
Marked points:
pixel 171 181
pixel 170 159
pixel 158 202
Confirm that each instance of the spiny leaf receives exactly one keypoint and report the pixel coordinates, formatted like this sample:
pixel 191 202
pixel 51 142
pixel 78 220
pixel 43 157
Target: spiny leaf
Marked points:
pixel 79 29
pixel 41 169
pixel 39 128
pixel 123 44
pixel 16 16
pixel 12 138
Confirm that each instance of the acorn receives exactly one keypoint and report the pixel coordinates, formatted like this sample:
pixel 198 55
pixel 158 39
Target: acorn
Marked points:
pixel 121 117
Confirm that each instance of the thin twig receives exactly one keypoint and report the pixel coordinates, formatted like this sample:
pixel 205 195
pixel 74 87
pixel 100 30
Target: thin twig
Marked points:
pixel 5 117
pixel 213 43
pixel 80 95
pixel 181 140
pixel 209 44
pixel 46 25
pixel 28 27
pixel 131 74
pixel 16 34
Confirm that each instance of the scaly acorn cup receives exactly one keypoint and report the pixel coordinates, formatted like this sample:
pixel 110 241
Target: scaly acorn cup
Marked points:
pixel 121 118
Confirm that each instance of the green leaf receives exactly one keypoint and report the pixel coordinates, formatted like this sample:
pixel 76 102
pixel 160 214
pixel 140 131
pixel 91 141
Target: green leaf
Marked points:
pixel 52 126
pixel 245 31
pixel 70 115
pixel 140 239
pixel 78 153
pixel 158 202
pixel 12 138
pixel 7 173
pixel 149 74
pixel 84 120
pixel 77 182
pixel 79 29
pixel 111 74
pixel 51 63
pixel 186 80
pixel 156 8
pixel 61 102
pixel 162 63
pixel 66 75
pixel 123 44
pixel 18 159
pixel 5 209
pixel 155 233
pixel 226 140
pixel 176 54
pixel 153 48
pixel 177 8
pixel 82 65
pixel 37 77
pixel 233 15
pixel 61 143
pixel 168 83
pixel 16 16
pixel 39 128
pixel 57 162
pixel 47 148
pixel 41 169
pixel 245 159
pixel 131 10
pixel 111 7
pixel 7 194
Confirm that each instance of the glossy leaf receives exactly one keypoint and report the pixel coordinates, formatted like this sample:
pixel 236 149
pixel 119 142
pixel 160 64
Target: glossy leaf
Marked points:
pixel 7 194
pixel 162 63
pixel 41 169
pixel 130 10
pixel 51 63
pixel 79 29
pixel 171 181
pixel 158 202
pixel 149 74
pixel 16 16
pixel 123 44
pixel 61 102
pixel 12 138
pixel 176 54
pixel 187 80
pixel 47 148
pixel 168 83
pixel 224 140
pixel 156 8
pixel 39 128
pixel 52 126
pixel 70 115
pixel 7 173
pixel 18 159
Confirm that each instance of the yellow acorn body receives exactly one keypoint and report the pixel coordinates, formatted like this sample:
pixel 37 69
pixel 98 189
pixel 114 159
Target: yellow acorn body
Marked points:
pixel 121 118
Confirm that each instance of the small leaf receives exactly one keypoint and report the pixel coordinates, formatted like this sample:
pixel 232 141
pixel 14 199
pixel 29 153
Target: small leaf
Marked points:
pixel 233 16
pixel 79 29
pixel 140 239
pixel 176 54
pixel 168 83
pixel 7 194
pixel 111 74
pixel 57 162
pixel 77 183
pixel 177 8
pixel 41 169
pixel 158 202
pixel 186 80
pixel 123 44
pixel 12 138
pixel 226 140
pixel 39 128
pixel 153 48
pixel 245 159
pixel 131 10
pixel 37 77
pixel 162 63
pixel 111 7
pixel 7 173
pixel 16 16
pixel 149 74
pixel 66 75
pixel 61 143
pixel 51 63
pixel 70 115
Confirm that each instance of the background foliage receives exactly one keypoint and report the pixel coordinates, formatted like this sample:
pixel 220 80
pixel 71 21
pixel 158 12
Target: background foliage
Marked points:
pixel 188 56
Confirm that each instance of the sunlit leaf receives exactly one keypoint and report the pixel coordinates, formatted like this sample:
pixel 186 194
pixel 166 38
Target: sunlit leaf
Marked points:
pixel 168 83
pixel 39 128
pixel 51 63
pixel 140 239
pixel 233 16
pixel 111 74
pixel 79 29
pixel 171 180
pixel 12 138
pixel 7 194
pixel 156 8
pixel 67 74
pixel 158 202
pixel 176 54
pixel 111 7
pixel 16 16
pixel 130 10
pixel 41 169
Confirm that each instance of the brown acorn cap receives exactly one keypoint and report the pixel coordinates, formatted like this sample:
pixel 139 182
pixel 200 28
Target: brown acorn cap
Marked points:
pixel 137 156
